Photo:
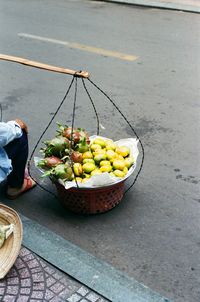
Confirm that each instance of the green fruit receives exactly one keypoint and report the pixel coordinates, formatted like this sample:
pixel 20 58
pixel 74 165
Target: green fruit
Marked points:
pixel 56 146
pixel 96 172
pixel 78 170
pixel 63 171
pixel 123 151
pixel 87 154
pixel 99 151
pixel 106 168
pixel 82 146
pixel 86 175
pixel 125 170
pixel 119 173
pixel 88 167
pixel 129 161
pixel 99 141
pixel 118 164
pixel 110 145
pixel 78 179
pixel 95 147
pixel 104 163
pixel 99 157
pixel 88 160
pixel 110 155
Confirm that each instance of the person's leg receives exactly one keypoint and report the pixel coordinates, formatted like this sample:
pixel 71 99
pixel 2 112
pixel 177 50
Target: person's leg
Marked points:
pixel 17 151
pixel 18 180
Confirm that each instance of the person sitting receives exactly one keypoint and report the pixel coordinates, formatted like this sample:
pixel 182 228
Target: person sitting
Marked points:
pixel 13 158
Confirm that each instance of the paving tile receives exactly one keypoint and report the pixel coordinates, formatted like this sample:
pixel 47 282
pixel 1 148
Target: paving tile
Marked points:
pixel 92 297
pixel 24 273
pixel 2 290
pixel 74 298
pixel 14 280
pixel 25 291
pixel 57 288
pixel 49 295
pixel 83 291
pixel 50 281
pixel 35 270
pixel 25 282
pixel 33 263
pixel 8 298
pixel 39 286
pixel 38 277
pixel 49 270
pixel 37 294
pixel 19 263
pixel 13 290
pixel 65 293
pixel 102 300
pixel 24 251
pixel 28 257
pixel 31 279
pixel 56 299
pixel 22 298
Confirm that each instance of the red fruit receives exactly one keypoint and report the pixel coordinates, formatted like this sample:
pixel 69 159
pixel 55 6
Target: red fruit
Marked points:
pixel 87 140
pixel 67 132
pixel 52 161
pixel 76 157
pixel 76 137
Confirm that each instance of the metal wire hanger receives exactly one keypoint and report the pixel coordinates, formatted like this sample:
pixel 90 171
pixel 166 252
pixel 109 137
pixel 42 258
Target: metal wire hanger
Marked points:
pixel 84 76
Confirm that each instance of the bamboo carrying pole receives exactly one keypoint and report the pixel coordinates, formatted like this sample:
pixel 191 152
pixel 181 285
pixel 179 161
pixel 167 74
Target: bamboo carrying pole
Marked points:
pixel 83 74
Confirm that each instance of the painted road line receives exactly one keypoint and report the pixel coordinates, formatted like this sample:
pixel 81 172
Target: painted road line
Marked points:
pixel 88 48
pixel 84 267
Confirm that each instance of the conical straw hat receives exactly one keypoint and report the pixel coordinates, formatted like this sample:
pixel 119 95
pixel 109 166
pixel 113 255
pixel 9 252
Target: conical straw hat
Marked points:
pixel 11 247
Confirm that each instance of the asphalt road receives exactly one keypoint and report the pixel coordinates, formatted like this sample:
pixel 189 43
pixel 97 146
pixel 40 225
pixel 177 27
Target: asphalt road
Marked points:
pixel 147 61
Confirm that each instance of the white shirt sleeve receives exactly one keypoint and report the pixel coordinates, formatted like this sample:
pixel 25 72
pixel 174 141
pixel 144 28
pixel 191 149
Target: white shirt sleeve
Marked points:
pixel 8 132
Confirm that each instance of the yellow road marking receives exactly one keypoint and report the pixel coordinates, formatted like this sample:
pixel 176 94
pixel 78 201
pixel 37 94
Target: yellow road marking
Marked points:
pixel 99 51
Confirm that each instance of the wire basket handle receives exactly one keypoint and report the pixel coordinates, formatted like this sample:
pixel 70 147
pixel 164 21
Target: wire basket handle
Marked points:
pixel 82 74
pixel 76 74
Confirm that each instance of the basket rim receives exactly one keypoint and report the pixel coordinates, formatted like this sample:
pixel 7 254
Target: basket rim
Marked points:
pixel 11 247
pixel 92 188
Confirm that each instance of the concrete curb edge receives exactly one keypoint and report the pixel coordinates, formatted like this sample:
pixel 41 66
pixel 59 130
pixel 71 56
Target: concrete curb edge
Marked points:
pixel 84 267
pixel 158 5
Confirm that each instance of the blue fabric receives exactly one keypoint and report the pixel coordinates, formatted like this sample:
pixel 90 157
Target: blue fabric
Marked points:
pixel 8 132
pixel 17 151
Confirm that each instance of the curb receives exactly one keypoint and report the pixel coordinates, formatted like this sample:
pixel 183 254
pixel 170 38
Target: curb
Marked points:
pixel 157 4
pixel 98 275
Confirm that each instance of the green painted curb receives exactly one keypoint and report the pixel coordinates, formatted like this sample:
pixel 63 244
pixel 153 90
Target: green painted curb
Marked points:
pixel 84 267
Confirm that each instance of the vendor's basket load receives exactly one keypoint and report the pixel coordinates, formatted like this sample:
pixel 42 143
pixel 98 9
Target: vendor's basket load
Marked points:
pixel 89 171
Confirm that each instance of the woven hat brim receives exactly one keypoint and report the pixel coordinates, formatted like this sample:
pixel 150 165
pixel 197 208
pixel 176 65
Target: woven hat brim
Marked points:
pixel 11 247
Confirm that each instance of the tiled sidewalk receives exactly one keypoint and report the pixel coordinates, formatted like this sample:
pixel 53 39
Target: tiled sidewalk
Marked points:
pixel 32 279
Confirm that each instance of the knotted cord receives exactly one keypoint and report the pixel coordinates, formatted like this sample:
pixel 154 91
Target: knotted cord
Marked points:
pixel 37 143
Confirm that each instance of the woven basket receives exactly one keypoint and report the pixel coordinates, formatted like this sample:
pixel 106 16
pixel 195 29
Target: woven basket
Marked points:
pixel 11 247
pixel 90 201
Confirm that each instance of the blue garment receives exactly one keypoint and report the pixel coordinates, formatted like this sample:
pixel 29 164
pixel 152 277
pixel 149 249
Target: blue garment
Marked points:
pixel 8 132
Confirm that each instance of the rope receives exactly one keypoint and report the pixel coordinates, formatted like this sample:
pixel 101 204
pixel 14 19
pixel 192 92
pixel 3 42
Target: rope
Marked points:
pixel 72 126
pixel 48 125
pixel 97 117
pixel 1 113
pixel 117 108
